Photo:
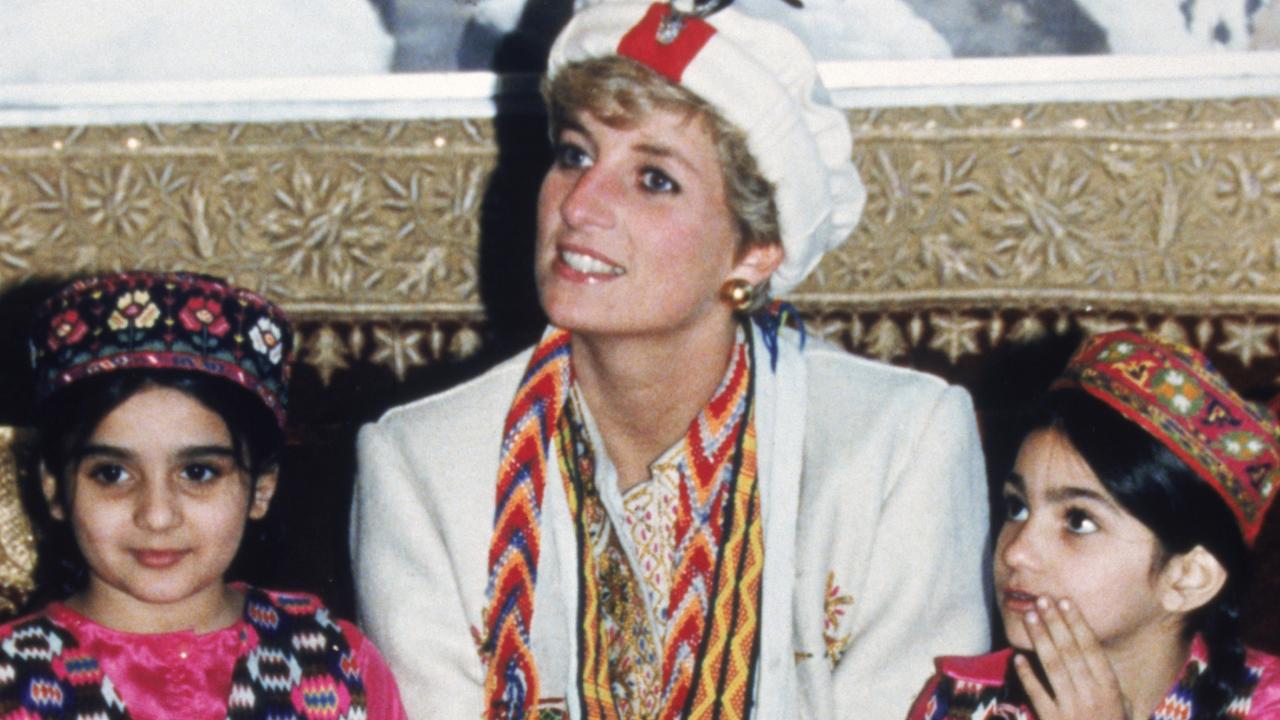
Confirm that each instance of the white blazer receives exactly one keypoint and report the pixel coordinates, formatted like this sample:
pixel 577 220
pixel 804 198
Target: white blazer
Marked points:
pixel 875 506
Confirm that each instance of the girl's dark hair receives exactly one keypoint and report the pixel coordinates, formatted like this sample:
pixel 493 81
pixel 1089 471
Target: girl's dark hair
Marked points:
pixel 68 419
pixel 1181 509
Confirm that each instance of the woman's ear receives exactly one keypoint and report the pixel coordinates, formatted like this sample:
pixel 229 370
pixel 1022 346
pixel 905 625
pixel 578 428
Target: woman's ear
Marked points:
pixel 1191 580
pixel 49 487
pixel 263 490
pixel 757 262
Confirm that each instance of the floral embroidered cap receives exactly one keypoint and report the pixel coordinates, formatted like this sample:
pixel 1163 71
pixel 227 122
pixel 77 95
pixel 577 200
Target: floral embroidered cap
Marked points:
pixel 763 80
pixel 1175 394
pixel 177 321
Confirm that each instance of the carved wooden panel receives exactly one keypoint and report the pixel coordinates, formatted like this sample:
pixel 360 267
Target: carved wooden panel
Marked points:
pixel 993 237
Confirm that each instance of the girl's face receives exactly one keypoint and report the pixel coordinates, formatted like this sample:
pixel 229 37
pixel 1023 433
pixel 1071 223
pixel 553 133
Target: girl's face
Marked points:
pixel 1065 536
pixel 158 504
pixel 634 232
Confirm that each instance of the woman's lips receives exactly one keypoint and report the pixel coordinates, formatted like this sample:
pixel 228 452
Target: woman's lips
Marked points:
pixel 158 559
pixel 582 265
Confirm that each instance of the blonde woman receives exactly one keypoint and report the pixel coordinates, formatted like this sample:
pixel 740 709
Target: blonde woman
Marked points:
pixel 670 507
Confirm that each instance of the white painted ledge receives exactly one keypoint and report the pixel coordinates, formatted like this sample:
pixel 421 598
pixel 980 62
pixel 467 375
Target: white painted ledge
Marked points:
pixel 991 81
pixel 894 83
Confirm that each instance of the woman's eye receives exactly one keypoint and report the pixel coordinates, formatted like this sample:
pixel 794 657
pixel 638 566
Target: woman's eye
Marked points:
pixel 569 155
pixel 1014 508
pixel 655 180
pixel 108 473
pixel 1079 522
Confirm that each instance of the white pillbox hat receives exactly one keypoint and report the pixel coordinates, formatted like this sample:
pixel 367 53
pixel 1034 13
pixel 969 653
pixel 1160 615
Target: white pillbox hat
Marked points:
pixel 763 80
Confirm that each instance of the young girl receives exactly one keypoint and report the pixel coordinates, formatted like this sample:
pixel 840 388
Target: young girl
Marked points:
pixel 161 400
pixel 1121 564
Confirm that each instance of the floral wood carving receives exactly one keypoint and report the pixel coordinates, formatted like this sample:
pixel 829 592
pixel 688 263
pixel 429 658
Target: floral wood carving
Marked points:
pixel 1154 206
pixel 17 544
pixel 980 220
pixel 347 217
pixel 987 230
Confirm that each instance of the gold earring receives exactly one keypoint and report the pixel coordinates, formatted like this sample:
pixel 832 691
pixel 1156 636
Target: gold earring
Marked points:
pixel 738 293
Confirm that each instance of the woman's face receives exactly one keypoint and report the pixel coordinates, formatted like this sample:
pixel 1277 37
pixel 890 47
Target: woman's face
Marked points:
pixel 634 233
pixel 158 504
pixel 1065 536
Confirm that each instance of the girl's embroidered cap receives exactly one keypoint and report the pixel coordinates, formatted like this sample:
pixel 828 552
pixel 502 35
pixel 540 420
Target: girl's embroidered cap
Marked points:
pixel 177 321
pixel 763 80
pixel 1175 394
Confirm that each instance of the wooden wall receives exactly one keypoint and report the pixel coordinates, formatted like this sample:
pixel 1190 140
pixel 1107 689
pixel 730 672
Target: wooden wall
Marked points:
pixel 993 239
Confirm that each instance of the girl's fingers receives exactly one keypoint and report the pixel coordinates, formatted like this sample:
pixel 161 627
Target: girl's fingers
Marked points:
pixel 1041 700
pixel 1055 670
pixel 1061 631
pixel 1076 668
pixel 1094 657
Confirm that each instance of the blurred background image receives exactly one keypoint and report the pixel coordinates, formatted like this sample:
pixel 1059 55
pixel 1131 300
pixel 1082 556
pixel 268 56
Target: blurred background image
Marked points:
pixel 97 40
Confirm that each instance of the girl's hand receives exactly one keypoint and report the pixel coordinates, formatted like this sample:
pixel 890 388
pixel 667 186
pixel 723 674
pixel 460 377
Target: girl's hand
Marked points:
pixel 1084 686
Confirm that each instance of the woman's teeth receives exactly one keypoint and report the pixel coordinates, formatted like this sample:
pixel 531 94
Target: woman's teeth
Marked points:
pixel 588 265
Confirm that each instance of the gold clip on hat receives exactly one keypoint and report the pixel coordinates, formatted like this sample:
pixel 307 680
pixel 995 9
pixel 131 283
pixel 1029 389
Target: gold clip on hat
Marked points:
pixel 763 80
pixel 1178 397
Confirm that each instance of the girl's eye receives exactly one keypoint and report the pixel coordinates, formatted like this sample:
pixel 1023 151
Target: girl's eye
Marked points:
pixel 570 156
pixel 1014 508
pixel 1079 522
pixel 201 473
pixel 654 180
pixel 108 473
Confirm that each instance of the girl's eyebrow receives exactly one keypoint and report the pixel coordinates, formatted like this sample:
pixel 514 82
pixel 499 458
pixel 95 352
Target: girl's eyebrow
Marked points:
pixel 205 451
pixel 1071 492
pixel 1065 494
pixel 117 453
pixel 110 451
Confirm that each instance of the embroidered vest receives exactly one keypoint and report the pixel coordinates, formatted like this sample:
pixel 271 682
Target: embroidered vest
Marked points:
pixel 956 699
pixel 301 668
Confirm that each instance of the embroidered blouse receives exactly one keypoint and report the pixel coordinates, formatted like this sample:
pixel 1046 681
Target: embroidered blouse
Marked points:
pixel 189 675
pixel 978 688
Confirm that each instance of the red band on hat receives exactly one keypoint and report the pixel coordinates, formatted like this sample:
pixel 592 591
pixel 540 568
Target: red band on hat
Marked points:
pixel 1174 393
pixel 641 43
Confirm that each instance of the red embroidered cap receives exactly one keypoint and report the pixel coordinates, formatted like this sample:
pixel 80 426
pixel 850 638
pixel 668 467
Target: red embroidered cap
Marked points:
pixel 177 321
pixel 1175 394
pixel 763 81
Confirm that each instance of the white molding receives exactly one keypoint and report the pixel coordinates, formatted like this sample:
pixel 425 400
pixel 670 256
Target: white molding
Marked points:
pixel 1088 78
pixel 890 83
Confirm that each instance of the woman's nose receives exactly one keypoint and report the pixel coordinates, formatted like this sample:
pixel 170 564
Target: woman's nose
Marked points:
pixel 590 200
pixel 157 507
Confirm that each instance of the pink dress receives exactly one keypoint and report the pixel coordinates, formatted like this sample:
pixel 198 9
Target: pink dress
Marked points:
pixel 189 675
pixel 975 687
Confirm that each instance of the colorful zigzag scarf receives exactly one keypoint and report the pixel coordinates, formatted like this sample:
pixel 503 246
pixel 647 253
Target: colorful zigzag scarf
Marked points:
pixel 710 653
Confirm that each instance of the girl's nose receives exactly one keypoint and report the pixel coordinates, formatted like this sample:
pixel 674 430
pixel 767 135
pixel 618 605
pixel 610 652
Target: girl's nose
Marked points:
pixel 590 200
pixel 1016 545
pixel 158 507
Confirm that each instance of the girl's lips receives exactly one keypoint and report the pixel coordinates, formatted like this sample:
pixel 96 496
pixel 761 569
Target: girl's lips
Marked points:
pixel 158 559
pixel 1018 600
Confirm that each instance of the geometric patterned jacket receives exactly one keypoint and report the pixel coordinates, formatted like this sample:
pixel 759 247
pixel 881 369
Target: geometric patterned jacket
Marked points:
pixel 301 668
pixel 986 687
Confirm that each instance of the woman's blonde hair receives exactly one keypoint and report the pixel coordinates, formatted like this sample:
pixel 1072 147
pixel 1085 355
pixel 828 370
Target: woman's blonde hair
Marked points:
pixel 619 92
